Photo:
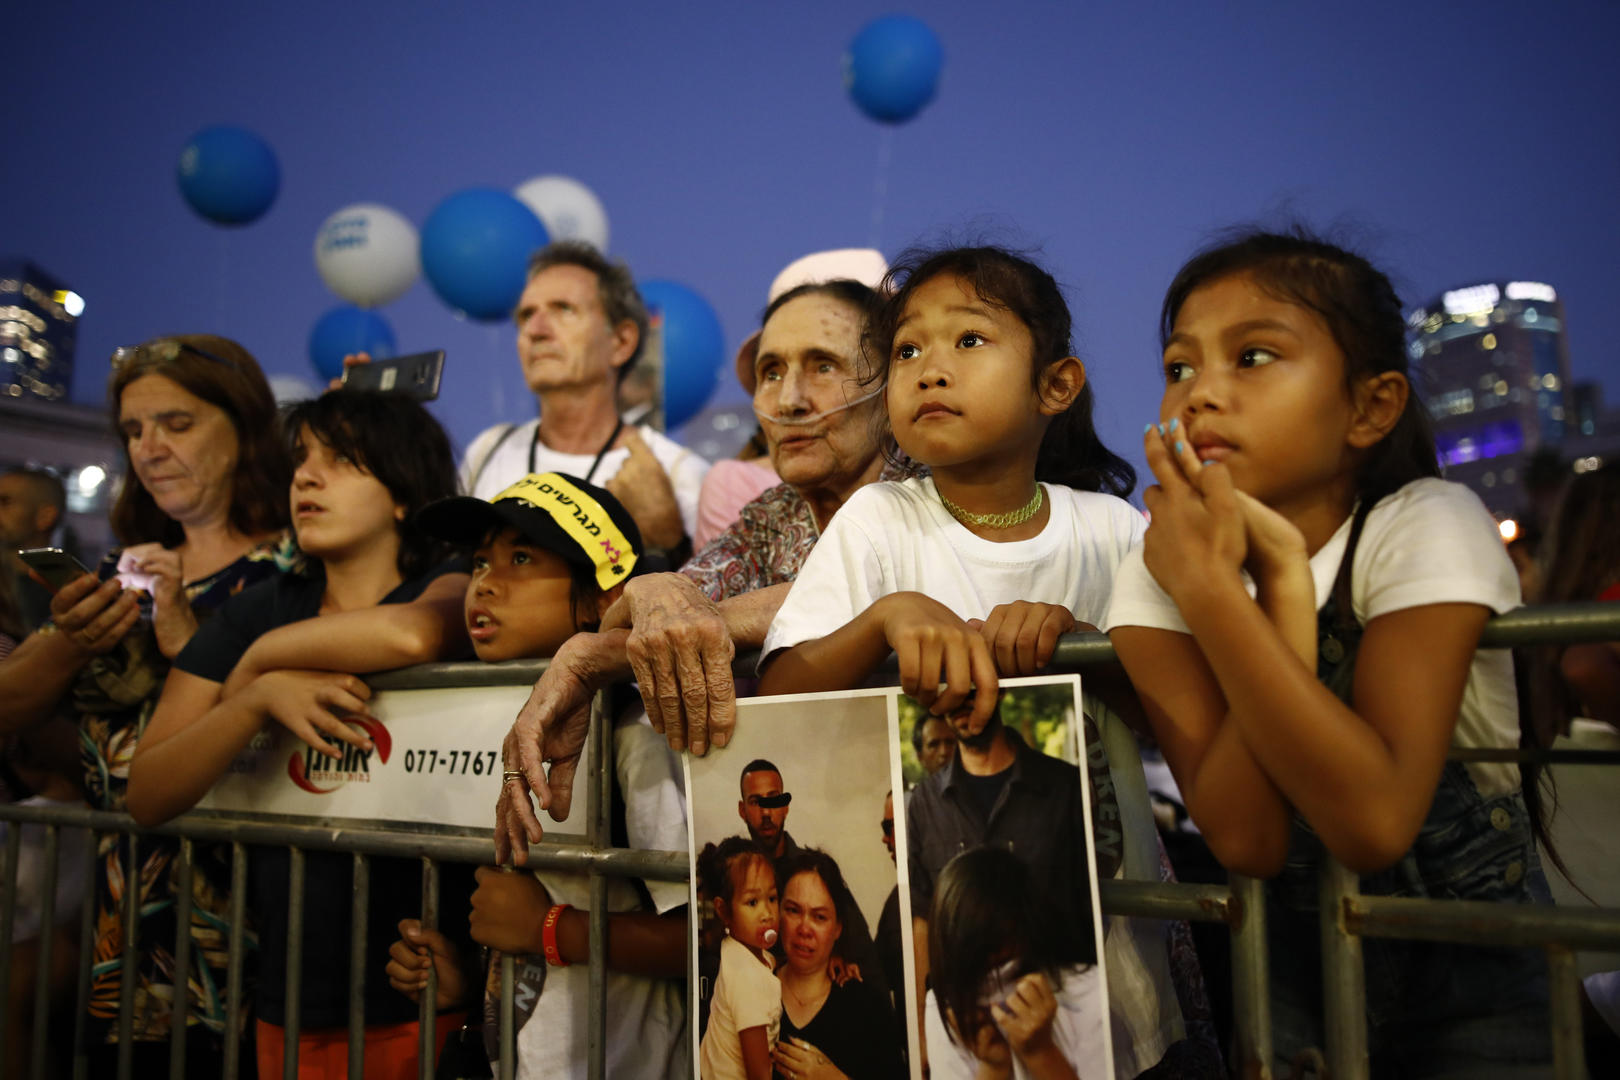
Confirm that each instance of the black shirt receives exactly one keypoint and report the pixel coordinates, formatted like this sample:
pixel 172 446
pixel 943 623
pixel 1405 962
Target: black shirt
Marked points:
pixel 857 1031
pixel 1037 816
pixel 396 884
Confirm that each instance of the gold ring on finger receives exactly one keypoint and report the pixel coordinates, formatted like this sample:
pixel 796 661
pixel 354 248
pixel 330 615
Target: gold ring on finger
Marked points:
pixel 511 774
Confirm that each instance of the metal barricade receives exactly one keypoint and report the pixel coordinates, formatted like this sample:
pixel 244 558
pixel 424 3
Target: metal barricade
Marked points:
pixel 1346 915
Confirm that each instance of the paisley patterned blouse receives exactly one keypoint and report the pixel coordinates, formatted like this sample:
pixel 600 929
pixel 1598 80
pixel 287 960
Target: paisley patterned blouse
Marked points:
pixel 114 696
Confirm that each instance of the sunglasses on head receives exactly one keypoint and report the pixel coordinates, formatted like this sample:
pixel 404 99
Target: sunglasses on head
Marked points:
pixel 162 350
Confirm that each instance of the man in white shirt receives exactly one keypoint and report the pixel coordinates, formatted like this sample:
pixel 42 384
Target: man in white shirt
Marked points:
pixel 581 325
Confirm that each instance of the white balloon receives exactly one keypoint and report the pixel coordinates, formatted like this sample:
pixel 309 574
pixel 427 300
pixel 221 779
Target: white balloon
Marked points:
pixel 367 254
pixel 568 209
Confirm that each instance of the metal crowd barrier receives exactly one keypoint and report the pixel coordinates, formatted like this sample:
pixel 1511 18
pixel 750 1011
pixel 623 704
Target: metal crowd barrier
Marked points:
pixel 1346 915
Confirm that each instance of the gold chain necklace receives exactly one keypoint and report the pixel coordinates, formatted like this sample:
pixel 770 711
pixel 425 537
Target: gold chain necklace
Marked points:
pixel 995 521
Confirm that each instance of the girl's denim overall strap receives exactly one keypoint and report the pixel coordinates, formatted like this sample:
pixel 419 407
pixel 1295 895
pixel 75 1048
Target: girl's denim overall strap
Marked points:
pixel 1430 1006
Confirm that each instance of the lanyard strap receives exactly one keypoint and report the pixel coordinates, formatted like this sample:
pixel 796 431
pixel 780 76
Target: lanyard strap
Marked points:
pixel 600 454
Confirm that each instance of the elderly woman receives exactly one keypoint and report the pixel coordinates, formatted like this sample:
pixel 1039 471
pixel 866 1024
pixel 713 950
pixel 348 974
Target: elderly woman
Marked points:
pixel 203 513
pixel 830 1031
pixel 818 421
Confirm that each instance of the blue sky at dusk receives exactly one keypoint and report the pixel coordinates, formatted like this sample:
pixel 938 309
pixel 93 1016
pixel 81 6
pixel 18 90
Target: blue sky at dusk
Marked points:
pixel 1463 142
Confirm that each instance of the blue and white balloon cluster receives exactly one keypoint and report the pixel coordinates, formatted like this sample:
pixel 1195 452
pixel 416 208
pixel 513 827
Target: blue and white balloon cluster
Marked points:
pixel 474 250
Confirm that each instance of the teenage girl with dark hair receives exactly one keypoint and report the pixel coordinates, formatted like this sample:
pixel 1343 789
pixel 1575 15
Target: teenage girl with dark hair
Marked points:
pixel 1312 718
pixel 1015 983
pixel 363 465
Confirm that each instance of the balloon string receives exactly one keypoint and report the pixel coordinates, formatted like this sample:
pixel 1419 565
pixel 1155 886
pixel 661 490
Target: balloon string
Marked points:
pixel 880 187
pixel 497 387
pixel 224 273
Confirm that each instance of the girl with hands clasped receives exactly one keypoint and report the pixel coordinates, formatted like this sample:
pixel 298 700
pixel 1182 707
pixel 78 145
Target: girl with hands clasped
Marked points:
pixel 1020 524
pixel 1302 624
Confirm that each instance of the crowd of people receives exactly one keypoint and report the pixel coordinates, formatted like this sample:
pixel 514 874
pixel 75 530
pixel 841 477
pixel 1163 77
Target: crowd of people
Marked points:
pixel 926 480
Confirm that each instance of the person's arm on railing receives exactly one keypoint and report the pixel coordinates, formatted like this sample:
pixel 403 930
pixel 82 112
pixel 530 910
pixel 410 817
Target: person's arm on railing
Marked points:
pixel 676 642
pixel 195 733
pixel 509 911
pixel 932 645
pixel 431 627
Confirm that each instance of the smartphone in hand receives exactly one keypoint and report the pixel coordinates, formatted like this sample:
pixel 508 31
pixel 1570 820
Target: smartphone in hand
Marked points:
pixel 416 375
pixel 55 566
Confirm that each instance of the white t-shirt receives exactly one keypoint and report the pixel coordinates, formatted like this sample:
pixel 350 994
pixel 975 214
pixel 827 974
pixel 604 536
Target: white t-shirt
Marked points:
pixel 898 537
pixel 1078 1029
pixel 1432 542
pixel 646 1018
pixel 746 995
pixel 509 463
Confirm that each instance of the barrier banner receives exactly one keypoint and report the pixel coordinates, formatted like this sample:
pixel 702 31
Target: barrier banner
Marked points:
pixel 436 763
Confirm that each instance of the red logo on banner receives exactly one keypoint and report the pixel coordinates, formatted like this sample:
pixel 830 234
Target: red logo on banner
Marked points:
pixel 295 769
pixel 308 764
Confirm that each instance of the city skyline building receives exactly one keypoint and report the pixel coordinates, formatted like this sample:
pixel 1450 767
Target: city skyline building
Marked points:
pixel 39 316
pixel 1492 364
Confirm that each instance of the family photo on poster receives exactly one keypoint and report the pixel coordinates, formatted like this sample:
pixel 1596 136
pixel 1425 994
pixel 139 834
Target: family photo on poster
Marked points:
pixel 926 894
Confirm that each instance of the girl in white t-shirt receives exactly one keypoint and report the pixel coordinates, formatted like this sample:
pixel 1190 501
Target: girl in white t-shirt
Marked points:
pixel 974 571
pixel 1297 474
pixel 746 1014
pixel 1020 523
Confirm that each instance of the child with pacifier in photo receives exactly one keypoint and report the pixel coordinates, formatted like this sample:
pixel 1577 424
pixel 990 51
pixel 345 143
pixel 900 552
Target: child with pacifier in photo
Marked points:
pixel 1302 624
pixel 549 554
pixel 746 1014
pixel 974 571
pixel 1016 990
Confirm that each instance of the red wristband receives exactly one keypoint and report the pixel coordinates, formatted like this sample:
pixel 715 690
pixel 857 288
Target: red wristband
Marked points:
pixel 548 935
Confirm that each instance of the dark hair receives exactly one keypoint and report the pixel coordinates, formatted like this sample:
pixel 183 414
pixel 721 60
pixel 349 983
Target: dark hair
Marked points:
pixel 1358 305
pixel 917 736
pixel 615 287
pixel 809 860
pixel 1071 452
pixel 1577 561
pixel 396 440
pixel 757 765
pixel 715 861
pixel 222 373
pixel 988 909
pixel 45 486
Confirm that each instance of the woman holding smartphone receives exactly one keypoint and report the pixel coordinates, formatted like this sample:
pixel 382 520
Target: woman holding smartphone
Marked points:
pixel 202 514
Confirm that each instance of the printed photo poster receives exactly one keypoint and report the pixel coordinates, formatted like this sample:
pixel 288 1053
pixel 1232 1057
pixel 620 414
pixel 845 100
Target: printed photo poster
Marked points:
pixel 800 831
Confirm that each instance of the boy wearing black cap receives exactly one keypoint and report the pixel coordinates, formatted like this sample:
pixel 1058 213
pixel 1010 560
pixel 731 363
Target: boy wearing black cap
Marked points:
pixel 549 555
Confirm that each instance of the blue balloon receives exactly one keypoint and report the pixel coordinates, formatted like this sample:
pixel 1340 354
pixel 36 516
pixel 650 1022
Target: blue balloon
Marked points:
pixel 694 348
pixel 229 175
pixel 475 251
pixel 892 68
pixel 345 330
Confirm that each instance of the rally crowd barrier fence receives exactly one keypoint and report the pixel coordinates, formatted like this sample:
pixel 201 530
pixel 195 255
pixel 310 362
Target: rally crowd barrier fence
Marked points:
pixel 1346 916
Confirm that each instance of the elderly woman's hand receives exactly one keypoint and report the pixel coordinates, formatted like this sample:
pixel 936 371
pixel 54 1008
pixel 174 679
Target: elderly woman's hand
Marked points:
pixel 551 726
pixel 798 1060
pixel 681 652
pixel 94 615
pixel 157 569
